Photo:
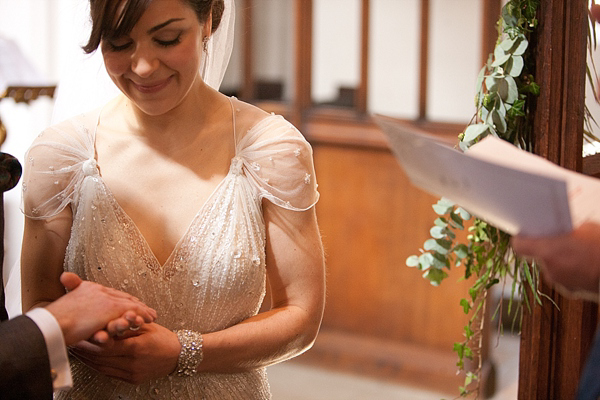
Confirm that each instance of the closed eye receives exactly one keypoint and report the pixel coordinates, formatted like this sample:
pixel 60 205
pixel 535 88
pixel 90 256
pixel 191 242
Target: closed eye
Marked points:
pixel 169 43
pixel 118 46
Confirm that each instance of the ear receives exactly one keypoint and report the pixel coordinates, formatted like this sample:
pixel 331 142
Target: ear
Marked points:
pixel 207 28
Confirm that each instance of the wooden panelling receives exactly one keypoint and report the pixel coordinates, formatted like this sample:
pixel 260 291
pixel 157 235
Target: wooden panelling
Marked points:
pixel 381 316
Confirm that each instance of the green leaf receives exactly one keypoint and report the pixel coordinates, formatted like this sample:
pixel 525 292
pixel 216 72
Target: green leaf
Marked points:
pixel 441 221
pixel 468 353
pixel 514 66
pixel 499 122
pixel 479 81
pixel 440 260
pixel 412 261
pixel 461 250
pixel 457 220
pixel 425 261
pixel 465 305
pixel 491 83
pixel 475 131
pixel 521 46
pixel 464 214
pixel 470 378
pixel 443 206
pixel 435 245
pixel 517 109
pixel 508 90
pixel 500 56
pixel 507 44
pixel 437 232
pixel 435 276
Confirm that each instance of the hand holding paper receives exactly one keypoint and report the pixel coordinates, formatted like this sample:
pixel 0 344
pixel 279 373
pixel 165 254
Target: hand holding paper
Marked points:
pixel 554 212
pixel 512 189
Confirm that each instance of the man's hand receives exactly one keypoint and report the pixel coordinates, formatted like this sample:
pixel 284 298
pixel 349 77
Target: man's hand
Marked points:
pixel 90 309
pixel 571 260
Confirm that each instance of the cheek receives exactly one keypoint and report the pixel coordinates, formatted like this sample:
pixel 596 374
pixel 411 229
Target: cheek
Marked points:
pixel 116 64
pixel 185 57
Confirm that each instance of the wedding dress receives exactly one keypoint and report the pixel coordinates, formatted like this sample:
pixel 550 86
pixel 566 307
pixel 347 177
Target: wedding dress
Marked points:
pixel 214 278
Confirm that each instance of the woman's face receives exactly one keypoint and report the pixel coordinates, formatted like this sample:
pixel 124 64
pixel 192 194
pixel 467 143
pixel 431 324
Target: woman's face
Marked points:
pixel 157 64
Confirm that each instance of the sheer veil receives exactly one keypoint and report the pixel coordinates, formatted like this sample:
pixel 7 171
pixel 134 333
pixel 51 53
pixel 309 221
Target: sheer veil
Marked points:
pixel 86 85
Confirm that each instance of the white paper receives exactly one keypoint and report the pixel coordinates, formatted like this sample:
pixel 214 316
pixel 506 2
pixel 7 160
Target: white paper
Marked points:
pixel 512 189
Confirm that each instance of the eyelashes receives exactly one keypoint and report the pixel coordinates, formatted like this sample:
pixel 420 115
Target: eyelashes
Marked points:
pixel 169 43
pixel 116 46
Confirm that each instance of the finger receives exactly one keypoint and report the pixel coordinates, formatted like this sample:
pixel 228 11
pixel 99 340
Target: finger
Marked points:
pixel 112 372
pixel 151 314
pixel 117 327
pixel 135 321
pixel 70 280
pixel 88 347
pixel 121 363
pixel 100 337
pixel 123 295
pixel 107 366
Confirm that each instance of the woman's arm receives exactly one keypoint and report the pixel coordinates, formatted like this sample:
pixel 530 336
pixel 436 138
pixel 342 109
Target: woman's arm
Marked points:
pixel 296 273
pixel 42 257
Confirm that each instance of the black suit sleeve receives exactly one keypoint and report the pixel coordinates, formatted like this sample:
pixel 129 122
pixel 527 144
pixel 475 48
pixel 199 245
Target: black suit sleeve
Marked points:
pixel 24 363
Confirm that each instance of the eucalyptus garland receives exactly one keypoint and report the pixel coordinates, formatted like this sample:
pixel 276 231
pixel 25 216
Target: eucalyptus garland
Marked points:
pixel 504 86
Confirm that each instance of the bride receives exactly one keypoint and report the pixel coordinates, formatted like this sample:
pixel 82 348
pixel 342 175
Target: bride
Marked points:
pixel 189 200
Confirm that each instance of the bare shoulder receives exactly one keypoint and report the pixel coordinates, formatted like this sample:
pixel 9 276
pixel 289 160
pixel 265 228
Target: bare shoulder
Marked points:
pixel 247 115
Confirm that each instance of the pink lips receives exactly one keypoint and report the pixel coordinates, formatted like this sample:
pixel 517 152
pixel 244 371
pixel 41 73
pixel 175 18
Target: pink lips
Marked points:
pixel 152 87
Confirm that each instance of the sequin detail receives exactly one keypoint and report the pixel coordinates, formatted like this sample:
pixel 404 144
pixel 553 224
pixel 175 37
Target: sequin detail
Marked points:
pixel 215 276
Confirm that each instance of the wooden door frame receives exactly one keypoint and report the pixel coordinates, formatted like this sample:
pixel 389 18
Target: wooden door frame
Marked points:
pixel 556 339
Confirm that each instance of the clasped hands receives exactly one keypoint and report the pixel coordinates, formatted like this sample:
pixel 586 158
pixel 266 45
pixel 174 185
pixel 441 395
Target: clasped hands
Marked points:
pixel 150 352
pixel 113 332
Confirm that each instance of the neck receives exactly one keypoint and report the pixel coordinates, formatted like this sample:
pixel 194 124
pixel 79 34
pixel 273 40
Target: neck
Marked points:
pixel 194 120
pixel 197 106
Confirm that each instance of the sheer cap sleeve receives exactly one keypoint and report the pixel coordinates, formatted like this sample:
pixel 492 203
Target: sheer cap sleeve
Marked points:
pixel 57 162
pixel 279 161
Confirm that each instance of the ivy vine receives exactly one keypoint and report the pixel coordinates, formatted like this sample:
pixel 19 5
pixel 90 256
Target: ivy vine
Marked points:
pixel 504 86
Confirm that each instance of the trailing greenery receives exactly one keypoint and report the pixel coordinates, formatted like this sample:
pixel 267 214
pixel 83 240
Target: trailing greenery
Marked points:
pixel 504 86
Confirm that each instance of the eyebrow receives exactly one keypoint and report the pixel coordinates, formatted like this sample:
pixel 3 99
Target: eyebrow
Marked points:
pixel 160 26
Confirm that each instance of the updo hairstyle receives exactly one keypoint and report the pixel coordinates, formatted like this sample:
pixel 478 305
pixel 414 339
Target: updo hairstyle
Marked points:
pixel 107 23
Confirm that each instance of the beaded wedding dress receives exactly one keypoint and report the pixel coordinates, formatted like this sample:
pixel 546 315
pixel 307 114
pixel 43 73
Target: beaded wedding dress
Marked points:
pixel 215 276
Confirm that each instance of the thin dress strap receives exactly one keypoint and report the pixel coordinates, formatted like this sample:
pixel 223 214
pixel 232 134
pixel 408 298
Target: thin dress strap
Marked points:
pixel 233 121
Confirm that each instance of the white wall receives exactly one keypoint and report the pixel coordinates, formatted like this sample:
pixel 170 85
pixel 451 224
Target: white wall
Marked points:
pixel 46 32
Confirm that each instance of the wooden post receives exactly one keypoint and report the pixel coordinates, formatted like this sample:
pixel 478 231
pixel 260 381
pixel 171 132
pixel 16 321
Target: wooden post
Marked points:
pixel 424 60
pixel 556 340
pixel 247 89
pixel 303 21
pixel 362 92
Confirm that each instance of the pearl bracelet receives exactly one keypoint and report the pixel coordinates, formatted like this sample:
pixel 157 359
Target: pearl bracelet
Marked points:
pixel 191 354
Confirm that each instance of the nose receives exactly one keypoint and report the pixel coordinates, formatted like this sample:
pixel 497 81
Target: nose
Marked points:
pixel 144 62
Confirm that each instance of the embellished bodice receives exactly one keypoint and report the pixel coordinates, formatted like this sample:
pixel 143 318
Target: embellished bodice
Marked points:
pixel 214 278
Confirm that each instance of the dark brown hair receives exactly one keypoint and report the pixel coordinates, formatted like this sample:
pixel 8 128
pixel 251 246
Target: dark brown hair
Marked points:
pixel 108 23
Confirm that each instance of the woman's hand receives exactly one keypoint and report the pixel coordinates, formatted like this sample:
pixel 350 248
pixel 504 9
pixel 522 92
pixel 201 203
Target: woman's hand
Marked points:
pixel 138 356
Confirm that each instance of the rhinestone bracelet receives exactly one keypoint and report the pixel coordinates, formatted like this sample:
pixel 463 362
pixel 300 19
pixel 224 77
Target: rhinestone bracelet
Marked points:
pixel 191 352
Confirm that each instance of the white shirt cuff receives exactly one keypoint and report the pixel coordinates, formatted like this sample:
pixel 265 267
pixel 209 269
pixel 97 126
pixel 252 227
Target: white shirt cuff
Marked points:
pixel 57 350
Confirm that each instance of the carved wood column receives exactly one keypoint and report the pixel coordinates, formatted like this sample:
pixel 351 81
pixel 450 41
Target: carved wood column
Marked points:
pixel 555 341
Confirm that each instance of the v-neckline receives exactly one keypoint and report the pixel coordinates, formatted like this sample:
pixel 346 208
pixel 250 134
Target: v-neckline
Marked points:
pixel 147 248
pixel 134 226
